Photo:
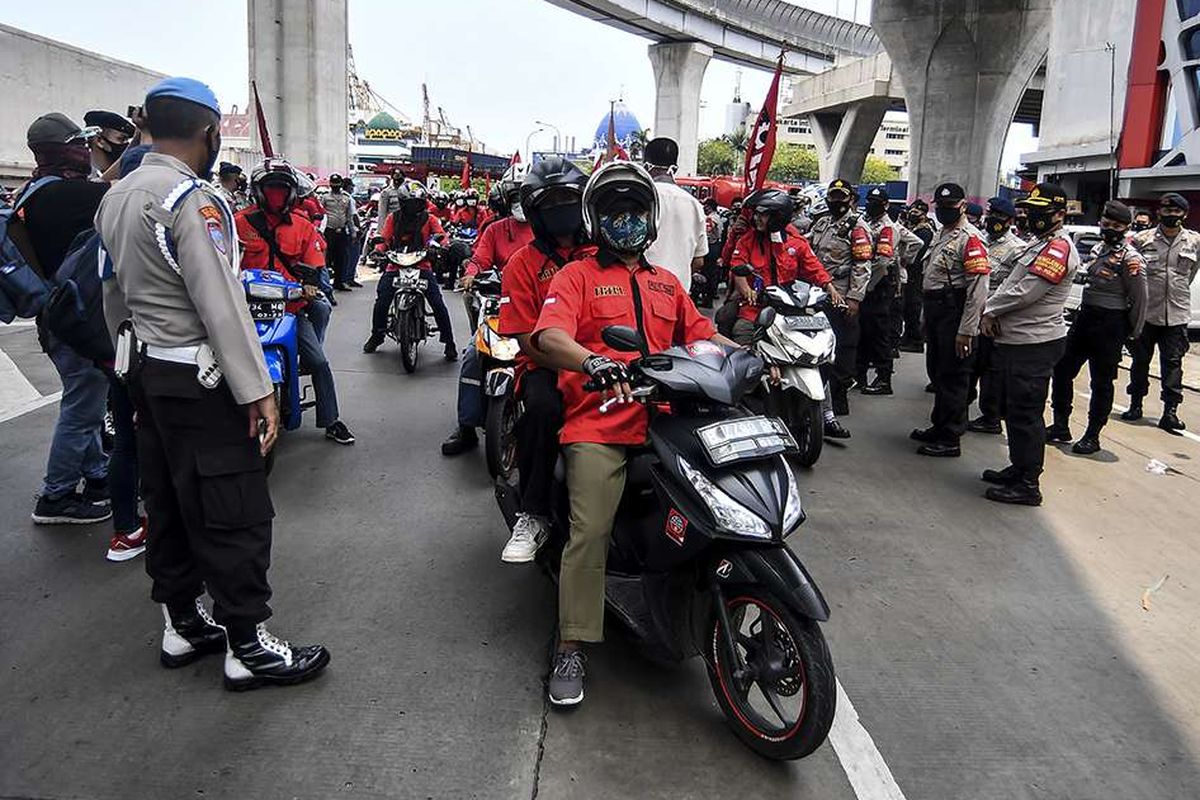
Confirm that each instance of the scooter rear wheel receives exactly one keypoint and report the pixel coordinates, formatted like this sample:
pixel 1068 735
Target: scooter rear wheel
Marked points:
pixel 780 695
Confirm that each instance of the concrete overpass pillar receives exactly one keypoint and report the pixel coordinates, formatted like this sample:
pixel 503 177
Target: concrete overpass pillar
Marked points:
pixel 298 59
pixel 964 65
pixel 844 138
pixel 679 74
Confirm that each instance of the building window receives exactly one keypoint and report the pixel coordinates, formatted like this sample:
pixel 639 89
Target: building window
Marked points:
pixel 893 152
pixel 1188 8
pixel 897 136
pixel 1191 44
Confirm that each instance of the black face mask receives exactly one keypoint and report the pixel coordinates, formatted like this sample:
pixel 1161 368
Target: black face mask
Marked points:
pixel 1112 237
pixel 876 208
pixel 562 220
pixel 996 226
pixel 213 152
pixel 1041 221
pixel 948 215
pixel 838 207
pixel 1171 221
pixel 1140 226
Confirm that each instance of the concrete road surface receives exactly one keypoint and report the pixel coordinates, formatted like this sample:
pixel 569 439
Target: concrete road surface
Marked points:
pixel 990 653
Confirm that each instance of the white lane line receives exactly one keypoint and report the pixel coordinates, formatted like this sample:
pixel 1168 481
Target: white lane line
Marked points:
pixel 32 405
pixel 15 388
pixel 1123 409
pixel 865 768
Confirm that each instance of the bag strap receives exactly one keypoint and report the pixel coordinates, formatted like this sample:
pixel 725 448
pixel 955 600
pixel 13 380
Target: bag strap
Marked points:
pixel 32 187
pixel 258 221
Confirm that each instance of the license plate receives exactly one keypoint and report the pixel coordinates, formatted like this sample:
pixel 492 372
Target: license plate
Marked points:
pixel 266 309
pixel 745 438
pixel 807 323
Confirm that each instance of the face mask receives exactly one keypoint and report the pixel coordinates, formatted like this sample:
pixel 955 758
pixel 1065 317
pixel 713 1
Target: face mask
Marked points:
pixel 472 202
pixel 1140 226
pixel 460 202
pixel 838 207
pixel 275 198
pixel 562 220
pixel 1041 221
pixel 948 216
pixel 1171 221
pixel 996 226
pixel 1111 236
pixel 876 208
pixel 626 231
pixel 517 212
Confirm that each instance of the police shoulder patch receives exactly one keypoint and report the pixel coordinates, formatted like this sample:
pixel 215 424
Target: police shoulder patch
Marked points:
pixel 885 246
pixel 216 235
pixel 1051 262
pixel 975 257
pixel 860 244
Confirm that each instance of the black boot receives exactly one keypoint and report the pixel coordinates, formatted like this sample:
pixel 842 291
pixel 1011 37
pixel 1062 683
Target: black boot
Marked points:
pixel 940 450
pixel 460 441
pixel 372 344
pixel 984 424
pixel 1134 413
pixel 1021 493
pixel 882 385
pixel 926 435
pixel 1088 443
pixel 189 632
pixel 1060 431
pixel 256 657
pixel 841 404
pixel 1001 477
pixel 836 430
pixel 451 352
pixel 1170 421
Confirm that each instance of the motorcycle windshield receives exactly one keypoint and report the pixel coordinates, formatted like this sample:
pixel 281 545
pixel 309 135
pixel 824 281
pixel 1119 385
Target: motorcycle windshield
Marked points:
pixel 708 370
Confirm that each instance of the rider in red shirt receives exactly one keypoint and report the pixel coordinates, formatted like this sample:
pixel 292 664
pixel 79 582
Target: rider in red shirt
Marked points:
pixel 615 287
pixel 273 235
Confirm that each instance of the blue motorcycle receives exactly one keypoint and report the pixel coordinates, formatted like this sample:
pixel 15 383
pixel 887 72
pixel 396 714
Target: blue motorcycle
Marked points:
pixel 268 294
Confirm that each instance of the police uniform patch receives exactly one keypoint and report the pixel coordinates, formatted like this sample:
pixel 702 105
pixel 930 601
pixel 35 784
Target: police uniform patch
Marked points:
pixel 1051 263
pixel 975 257
pixel 217 234
pixel 1133 266
pixel 210 213
pixel 884 246
pixel 860 245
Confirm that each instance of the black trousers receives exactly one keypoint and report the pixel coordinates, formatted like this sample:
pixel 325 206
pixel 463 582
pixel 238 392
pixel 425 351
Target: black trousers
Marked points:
pixel 337 251
pixel 1172 344
pixel 897 318
pixel 845 357
pixel 1025 370
pixel 386 290
pixel 983 374
pixel 950 374
pixel 1095 339
pixel 913 304
pixel 537 438
pixel 875 325
pixel 205 489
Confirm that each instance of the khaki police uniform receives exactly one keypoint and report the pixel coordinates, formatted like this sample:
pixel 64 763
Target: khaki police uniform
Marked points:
pixel 844 247
pixel 173 252
pixel 875 314
pixel 1001 253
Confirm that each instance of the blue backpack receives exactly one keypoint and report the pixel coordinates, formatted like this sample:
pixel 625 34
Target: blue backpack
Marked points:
pixel 23 291
pixel 74 308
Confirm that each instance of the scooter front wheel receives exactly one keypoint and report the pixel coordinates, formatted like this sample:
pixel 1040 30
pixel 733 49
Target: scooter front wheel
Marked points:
pixel 499 436
pixel 778 692
pixel 807 423
pixel 409 342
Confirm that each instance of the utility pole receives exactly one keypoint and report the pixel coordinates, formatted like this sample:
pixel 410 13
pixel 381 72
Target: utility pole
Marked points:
pixel 1112 123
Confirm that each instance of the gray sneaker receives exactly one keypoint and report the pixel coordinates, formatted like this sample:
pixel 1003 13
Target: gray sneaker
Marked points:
pixel 566 677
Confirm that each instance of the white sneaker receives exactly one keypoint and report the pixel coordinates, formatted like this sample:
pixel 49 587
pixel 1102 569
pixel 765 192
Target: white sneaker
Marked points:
pixel 528 535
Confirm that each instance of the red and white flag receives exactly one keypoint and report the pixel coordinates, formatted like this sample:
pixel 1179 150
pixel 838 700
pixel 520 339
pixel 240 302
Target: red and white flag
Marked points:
pixel 465 181
pixel 516 159
pixel 760 148
pixel 263 135
pixel 613 149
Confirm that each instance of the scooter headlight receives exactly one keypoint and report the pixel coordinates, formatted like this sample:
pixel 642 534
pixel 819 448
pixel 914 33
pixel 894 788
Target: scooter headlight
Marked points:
pixel 731 516
pixel 793 510
pixel 266 291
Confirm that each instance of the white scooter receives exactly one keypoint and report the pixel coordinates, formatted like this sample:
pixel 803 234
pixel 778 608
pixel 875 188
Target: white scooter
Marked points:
pixel 796 341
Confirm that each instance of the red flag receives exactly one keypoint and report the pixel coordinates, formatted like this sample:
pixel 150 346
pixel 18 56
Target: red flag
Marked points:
pixel 516 159
pixel 613 150
pixel 487 184
pixel 465 181
pixel 760 148
pixel 263 134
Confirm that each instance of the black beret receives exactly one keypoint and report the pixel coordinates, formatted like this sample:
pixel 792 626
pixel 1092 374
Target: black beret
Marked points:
pixel 1117 212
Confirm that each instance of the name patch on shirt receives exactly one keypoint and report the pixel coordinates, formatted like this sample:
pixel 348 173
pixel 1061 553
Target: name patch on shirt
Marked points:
pixel 547 273
pixel 661 286
pixel 609 291
pixel 1051 263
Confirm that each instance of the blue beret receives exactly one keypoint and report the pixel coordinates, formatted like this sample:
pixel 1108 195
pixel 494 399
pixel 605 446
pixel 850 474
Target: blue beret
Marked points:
pixel 188 89
pixel 1002 205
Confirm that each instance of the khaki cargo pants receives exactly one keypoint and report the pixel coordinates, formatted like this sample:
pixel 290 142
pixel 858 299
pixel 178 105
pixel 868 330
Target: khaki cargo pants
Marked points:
pixel 595 481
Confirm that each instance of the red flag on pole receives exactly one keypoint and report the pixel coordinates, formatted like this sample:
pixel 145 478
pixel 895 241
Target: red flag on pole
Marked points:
pixel 263 135
pixel 516 159
pixel 760 148
pixel 487 184
pixel 613 150
pixel 465 181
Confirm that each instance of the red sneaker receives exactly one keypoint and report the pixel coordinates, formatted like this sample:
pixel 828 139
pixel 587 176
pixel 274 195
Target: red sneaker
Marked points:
pixel 125 546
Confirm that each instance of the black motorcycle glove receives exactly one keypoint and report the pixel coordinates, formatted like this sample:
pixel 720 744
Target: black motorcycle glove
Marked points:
pixel 604 372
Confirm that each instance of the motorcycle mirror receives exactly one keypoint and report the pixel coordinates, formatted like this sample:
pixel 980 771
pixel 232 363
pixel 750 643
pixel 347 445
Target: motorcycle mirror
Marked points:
pixel 624 339
pixel 743 270
pixel 765 318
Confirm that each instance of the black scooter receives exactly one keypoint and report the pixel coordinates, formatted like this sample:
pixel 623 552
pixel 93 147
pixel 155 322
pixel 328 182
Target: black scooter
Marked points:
pixel 697 563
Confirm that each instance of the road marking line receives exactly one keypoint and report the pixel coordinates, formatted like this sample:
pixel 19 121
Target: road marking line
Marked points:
pixel 1123 409
pixel 15 388
pixel 32 405
pixel 865 768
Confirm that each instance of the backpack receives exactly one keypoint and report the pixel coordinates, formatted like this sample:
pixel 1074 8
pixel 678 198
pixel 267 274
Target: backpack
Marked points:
pixel 74 309
pixel 23 288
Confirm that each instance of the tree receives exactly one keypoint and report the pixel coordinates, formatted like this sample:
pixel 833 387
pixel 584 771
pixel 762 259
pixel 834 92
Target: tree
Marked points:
pixel 739 140
pixel 637 143
pixel 793 163
pixel 876 170
pixel 716 157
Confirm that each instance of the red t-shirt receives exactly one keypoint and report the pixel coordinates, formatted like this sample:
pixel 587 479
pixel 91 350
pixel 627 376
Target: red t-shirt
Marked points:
pixel 465 215
pixel 587 296
pixel 393 240
pixel 297 240
pixel 497 244
pixel 793 259
pixel 523 287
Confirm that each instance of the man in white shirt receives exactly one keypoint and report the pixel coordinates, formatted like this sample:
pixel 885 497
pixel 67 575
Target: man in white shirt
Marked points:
pixel 682 241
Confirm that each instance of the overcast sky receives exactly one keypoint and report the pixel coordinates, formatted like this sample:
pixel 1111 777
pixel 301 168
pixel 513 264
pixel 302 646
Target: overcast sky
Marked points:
pixel 497 66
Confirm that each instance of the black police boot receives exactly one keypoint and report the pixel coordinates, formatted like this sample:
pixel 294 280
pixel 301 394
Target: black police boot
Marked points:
pixel 836 430
pixel 1021 493
pixel 451 352
pixel 1134 412
pixel 940 450
pixel 841 404
pixel 882 385
pixel 984 424
pixel 911 346
pixel 189 632
pixel 861 381
pixel 256 657
pixel 460 441
pixel 926 435
pixel 1001 477
pixel 372 344
pixel 1060 431
pixel 1088 443
pixel 1170 421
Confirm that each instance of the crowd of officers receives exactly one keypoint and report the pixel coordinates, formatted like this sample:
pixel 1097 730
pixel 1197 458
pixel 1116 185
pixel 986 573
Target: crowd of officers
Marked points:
pixel 981 293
